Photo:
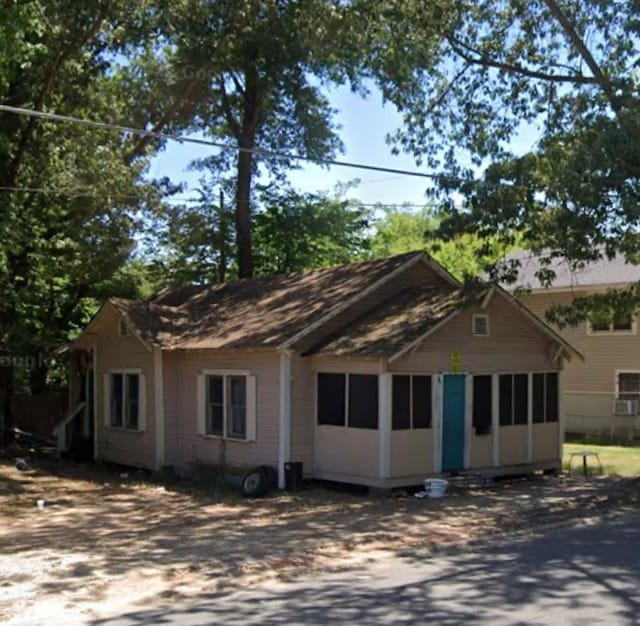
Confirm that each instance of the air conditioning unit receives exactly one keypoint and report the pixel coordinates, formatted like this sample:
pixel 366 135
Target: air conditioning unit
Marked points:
pixel 625 407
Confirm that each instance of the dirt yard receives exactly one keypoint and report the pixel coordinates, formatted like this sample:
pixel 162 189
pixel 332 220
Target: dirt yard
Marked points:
pixel 103 544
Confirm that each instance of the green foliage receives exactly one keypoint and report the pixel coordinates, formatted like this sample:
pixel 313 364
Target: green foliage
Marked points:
pixel 566 72
pixel 403 230
pixel 297 231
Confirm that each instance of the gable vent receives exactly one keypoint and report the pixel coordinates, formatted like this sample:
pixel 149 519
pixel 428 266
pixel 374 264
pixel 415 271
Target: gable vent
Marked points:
pixel 480 325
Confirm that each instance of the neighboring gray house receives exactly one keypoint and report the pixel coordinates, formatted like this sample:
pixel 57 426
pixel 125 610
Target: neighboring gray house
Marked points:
pixel 602 393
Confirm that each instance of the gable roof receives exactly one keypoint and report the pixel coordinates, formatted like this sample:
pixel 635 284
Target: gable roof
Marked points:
pixel 601 273
pixel 403 318
pixel 268 311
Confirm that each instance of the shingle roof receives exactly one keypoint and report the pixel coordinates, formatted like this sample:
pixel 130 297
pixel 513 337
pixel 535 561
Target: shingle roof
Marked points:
pixel 603 272
pixel 395 323
pixel 257 312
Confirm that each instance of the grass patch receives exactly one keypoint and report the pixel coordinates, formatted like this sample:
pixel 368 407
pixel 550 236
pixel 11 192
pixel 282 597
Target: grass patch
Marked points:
pixel 623 460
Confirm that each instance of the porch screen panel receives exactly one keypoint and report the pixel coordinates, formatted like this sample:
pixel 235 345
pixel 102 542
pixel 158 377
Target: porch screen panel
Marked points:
pixel 552 397
pixel 363 401
pixel 421 401
pixel 331 399
pixel 520 398
pixel 538 398
pixel 506 399
pixel 482 406
pixel 401 403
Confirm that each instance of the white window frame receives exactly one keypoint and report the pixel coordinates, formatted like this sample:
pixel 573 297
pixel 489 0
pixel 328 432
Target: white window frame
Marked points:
pixel 616 382
pixel 202 404
pixel 142 397
pixel 476 316
pixel 612 331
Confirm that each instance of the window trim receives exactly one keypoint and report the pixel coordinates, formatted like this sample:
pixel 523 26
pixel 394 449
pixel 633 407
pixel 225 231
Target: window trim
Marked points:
pixel 250 403
pixel 476 316
pixel 616 380
pixel 347 391
pixel 612 331
pixel 142 397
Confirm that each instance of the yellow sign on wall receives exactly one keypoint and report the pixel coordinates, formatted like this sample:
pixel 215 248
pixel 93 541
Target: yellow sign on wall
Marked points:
pixel 455 362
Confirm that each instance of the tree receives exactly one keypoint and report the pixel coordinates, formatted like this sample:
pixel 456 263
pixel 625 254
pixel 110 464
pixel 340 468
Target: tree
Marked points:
pixel 566 70
pixel 262 64
pixel 298 231
pixel 404 230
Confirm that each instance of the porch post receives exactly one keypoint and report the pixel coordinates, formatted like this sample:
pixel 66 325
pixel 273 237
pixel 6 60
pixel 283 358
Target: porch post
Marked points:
pixel 96 421
pixel 495 418
pixel 561 417
pixel 468 419
pixel 158 401
pixel 529 417
pixel 384 426
pixel 284 430
pixel 436 421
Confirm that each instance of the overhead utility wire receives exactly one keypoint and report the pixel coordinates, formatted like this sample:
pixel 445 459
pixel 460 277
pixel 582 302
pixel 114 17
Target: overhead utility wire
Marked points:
pixel 206 142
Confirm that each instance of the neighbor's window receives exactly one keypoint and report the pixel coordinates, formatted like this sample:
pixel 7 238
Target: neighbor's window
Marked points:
pixel 606 322
pixel 513 394
pixel 124 405
pixel 545 397
pixel 226 406
pixel 628 385
pixel 482 404
pixel 411 402
pixel 348 399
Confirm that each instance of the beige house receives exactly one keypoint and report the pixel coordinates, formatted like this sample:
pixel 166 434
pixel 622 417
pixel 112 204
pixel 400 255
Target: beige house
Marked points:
pixel 601 393
pixel 379 373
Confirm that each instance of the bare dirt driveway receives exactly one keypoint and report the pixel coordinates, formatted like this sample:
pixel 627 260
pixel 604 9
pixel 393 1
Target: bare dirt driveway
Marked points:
pixel 103 544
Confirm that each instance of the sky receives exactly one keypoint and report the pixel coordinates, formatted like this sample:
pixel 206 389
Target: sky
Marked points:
pixel 363 125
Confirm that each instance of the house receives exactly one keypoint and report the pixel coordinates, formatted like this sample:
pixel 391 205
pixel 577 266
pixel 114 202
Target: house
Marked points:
pixel 378 373
pixel 601 393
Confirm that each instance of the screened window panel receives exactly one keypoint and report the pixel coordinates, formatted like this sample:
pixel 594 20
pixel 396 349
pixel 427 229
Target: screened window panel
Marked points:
pixel 401 403
pixel 132 408
pixel 117 395
pixel 331 399
pixel 215 405
pixel 421 388
pixel 482 404
pixel 506 399
pixel 363 401
pixel 236 406
pixel 538 399
pixel 551 385
pixel 520 398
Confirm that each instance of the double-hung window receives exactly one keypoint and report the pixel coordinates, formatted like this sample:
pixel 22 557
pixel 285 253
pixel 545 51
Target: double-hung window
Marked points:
pixel 124 399
pixel 226 405
pixel 607 322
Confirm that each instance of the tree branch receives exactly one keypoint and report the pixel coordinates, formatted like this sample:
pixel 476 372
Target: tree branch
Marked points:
pixel 467 53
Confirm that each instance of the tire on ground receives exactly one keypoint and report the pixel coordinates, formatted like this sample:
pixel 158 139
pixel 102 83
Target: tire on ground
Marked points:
pixel 257 482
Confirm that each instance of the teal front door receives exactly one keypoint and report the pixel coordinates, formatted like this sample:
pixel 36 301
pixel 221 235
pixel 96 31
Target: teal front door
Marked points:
pixel 453 407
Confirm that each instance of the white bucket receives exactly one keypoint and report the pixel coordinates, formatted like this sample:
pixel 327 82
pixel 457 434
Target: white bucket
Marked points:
pixel 435 487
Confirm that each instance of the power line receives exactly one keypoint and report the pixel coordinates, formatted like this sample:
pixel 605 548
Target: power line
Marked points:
pixel 215 144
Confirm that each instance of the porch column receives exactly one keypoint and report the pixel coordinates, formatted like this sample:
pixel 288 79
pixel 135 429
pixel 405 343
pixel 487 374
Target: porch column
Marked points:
pixel 436 421
pixel 529 417
pixel 284 427
pixel 384 426
pixel 495 418
pixel 468 419
pixel 158 401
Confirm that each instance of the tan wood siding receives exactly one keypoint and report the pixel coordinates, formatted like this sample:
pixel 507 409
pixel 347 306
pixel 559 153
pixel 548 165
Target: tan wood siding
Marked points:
pixel 545 442
pixel 345 366
pixel 302 412
pixel 117 445
pixel 481 451
pixel 412 452
pixel 346 451
pixel 182 369
pixel 513 445
pixel 513 345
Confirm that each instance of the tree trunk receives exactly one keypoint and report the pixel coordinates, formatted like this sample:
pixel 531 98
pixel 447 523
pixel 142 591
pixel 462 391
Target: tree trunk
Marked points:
pixel 243 212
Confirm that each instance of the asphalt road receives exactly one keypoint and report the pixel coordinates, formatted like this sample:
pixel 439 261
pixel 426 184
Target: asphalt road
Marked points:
pixel 586 575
